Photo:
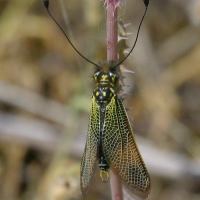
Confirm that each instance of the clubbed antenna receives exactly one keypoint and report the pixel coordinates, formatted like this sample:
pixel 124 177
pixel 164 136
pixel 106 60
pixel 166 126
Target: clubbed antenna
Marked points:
pixel 146 2
pixel 46 4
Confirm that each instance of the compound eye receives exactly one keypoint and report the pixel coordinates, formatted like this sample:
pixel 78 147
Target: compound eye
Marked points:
pixel 96 76
pixel 111 74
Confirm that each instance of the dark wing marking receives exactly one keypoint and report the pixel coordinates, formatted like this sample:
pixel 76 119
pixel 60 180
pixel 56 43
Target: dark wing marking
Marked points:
pixel 90 152
pixel 121 151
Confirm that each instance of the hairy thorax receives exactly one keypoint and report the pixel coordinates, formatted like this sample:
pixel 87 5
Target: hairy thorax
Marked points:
pixel 106 84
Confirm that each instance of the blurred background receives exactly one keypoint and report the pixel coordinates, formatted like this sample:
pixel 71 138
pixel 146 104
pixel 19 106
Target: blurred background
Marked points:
pixel 45 96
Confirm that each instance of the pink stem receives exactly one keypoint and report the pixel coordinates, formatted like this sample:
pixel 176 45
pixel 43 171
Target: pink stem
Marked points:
pixel 112 36
pixel 112 33
pixel 116 187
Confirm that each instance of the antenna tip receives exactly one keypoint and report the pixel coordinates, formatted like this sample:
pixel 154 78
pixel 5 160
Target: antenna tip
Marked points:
pixel 146 3
pixel 46 3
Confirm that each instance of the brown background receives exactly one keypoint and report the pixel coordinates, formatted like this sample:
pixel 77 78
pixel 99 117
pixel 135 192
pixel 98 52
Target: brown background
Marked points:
pixel 45 96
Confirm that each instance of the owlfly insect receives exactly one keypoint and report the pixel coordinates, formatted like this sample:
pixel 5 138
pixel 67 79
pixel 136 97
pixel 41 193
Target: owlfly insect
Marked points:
pixel 110 138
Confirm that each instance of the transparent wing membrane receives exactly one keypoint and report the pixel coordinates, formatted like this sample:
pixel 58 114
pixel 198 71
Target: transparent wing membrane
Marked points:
pixel 90 152
pixel 121 151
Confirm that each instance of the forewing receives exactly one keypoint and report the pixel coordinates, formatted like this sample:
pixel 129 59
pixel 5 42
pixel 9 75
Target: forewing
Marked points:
pixel 90 152
pixel 121 151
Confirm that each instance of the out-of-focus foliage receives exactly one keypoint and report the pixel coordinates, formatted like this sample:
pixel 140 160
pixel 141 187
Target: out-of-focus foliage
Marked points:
pixel 45 91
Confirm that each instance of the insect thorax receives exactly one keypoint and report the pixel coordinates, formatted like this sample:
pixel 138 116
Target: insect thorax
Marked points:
pixel 107 83
pixel 103 94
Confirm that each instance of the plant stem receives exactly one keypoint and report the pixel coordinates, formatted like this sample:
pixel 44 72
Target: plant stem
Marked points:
pixel 112 35
pixel 116 187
